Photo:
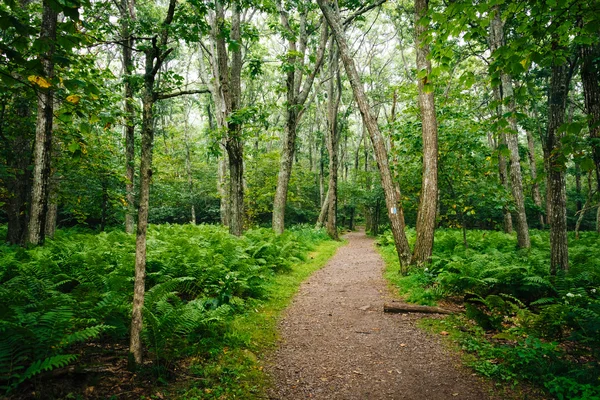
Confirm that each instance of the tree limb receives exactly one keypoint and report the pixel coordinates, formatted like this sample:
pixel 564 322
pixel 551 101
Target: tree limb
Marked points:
pixel 164 96
pixel 361 11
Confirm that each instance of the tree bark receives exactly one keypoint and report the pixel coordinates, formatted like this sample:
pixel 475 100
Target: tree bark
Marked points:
pixel 43 133
pixel 128 41
pixel 511 137
pixel 392 202
pixel 188 168
pixel 590 77
pixel 19 159
pixel 557 196
pixel 155 56
pixel 227 97
pixel 429 188
pixel 234 143
pixel 334 92
pixel 535 186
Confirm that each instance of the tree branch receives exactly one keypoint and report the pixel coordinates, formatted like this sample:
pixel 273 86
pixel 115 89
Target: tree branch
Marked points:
pixel 361 11
pixel 164 96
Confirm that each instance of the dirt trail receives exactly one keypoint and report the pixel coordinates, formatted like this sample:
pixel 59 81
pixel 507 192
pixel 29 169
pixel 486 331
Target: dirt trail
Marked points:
pixel 336 342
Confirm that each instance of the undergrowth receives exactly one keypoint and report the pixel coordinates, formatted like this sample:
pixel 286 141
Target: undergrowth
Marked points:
pixel 521 323
pixel 78 288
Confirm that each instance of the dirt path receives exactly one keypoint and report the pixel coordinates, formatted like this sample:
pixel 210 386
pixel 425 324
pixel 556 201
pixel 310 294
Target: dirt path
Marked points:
pixel 336 342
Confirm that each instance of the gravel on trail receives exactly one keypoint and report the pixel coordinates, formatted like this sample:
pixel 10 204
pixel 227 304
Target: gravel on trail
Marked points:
pixel 336 342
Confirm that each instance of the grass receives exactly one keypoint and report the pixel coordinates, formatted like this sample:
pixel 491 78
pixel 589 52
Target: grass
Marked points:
pixel 236 372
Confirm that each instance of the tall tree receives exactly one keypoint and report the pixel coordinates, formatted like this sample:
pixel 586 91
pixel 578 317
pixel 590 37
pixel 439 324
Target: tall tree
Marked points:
pixel 429 187
pixel 590 77
pixel 43 131
pixel 334 93
pixel 555 164
pixel 127 15
pixel 393 204
pixel 227 93
pixel 511 137
pixel 297 91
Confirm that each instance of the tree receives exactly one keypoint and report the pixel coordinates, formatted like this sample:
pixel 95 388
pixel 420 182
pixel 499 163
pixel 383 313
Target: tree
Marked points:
pixel 127 14
pixel 297 91
pixel 429 189
pixel 43 131
pixel 392 202
pixel 511 138
pixel 334 93
pixel 227 93
pixel 590 77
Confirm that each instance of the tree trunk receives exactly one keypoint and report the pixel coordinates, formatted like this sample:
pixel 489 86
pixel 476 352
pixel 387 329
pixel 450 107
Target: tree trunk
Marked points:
pixel 127 15
pixel 135 345
pixel 234 144
pixel 588 202
pixel 18 160
pixel 295 101
pixel 392 202
pixel 516 180
pixel 502 168
pixel 227 97
pixel 429 188
pixel 535 187
pixel 285 167
pixel 155 56
pixel 590 77
pixel 52 215
pixel 43 134
pixel 334 92
pixel 557 196
pixel 323 214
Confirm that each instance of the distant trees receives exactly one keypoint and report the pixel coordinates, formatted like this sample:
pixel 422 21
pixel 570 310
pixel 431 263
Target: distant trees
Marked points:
pixel 271 136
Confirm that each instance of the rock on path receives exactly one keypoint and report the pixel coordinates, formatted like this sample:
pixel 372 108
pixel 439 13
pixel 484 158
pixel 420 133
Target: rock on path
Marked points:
pixel 336 342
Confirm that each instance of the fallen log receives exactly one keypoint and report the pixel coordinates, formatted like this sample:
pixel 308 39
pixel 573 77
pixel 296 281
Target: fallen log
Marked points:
pixel 413 308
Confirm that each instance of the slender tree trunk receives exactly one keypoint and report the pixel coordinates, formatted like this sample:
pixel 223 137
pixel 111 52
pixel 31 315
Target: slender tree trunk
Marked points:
pixel 334 89
pixel 227 97
pixel 188 170
pixel 502 168
pixel 52 215
pixel 429 188
pixel 135 345
pixel 234 144
pixel 127 15
pixel 155 56
pixel 285 168
pixel 511 138
pixel 586 206
pixel 392 202
pixel 590 76
pixel 43 133
pixel 295 101
pixel 535 186
pixel 324 210
pixel 557 196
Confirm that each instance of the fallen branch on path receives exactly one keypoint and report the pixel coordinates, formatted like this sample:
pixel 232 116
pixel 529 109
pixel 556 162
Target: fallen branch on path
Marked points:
pixel 413 308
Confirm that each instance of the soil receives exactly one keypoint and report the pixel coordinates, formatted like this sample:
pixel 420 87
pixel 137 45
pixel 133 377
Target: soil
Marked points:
pixel 336 342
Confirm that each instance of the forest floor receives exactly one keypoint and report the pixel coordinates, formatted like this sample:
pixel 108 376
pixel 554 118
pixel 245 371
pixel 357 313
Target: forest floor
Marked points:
pixel 336 342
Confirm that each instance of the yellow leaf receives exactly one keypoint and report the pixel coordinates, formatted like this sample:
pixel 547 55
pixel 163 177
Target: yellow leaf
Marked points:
pixel 38 80
pixel 524 63
pixel 73 98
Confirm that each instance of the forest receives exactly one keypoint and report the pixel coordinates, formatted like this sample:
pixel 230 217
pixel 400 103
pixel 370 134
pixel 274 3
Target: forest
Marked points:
pixel 172 170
